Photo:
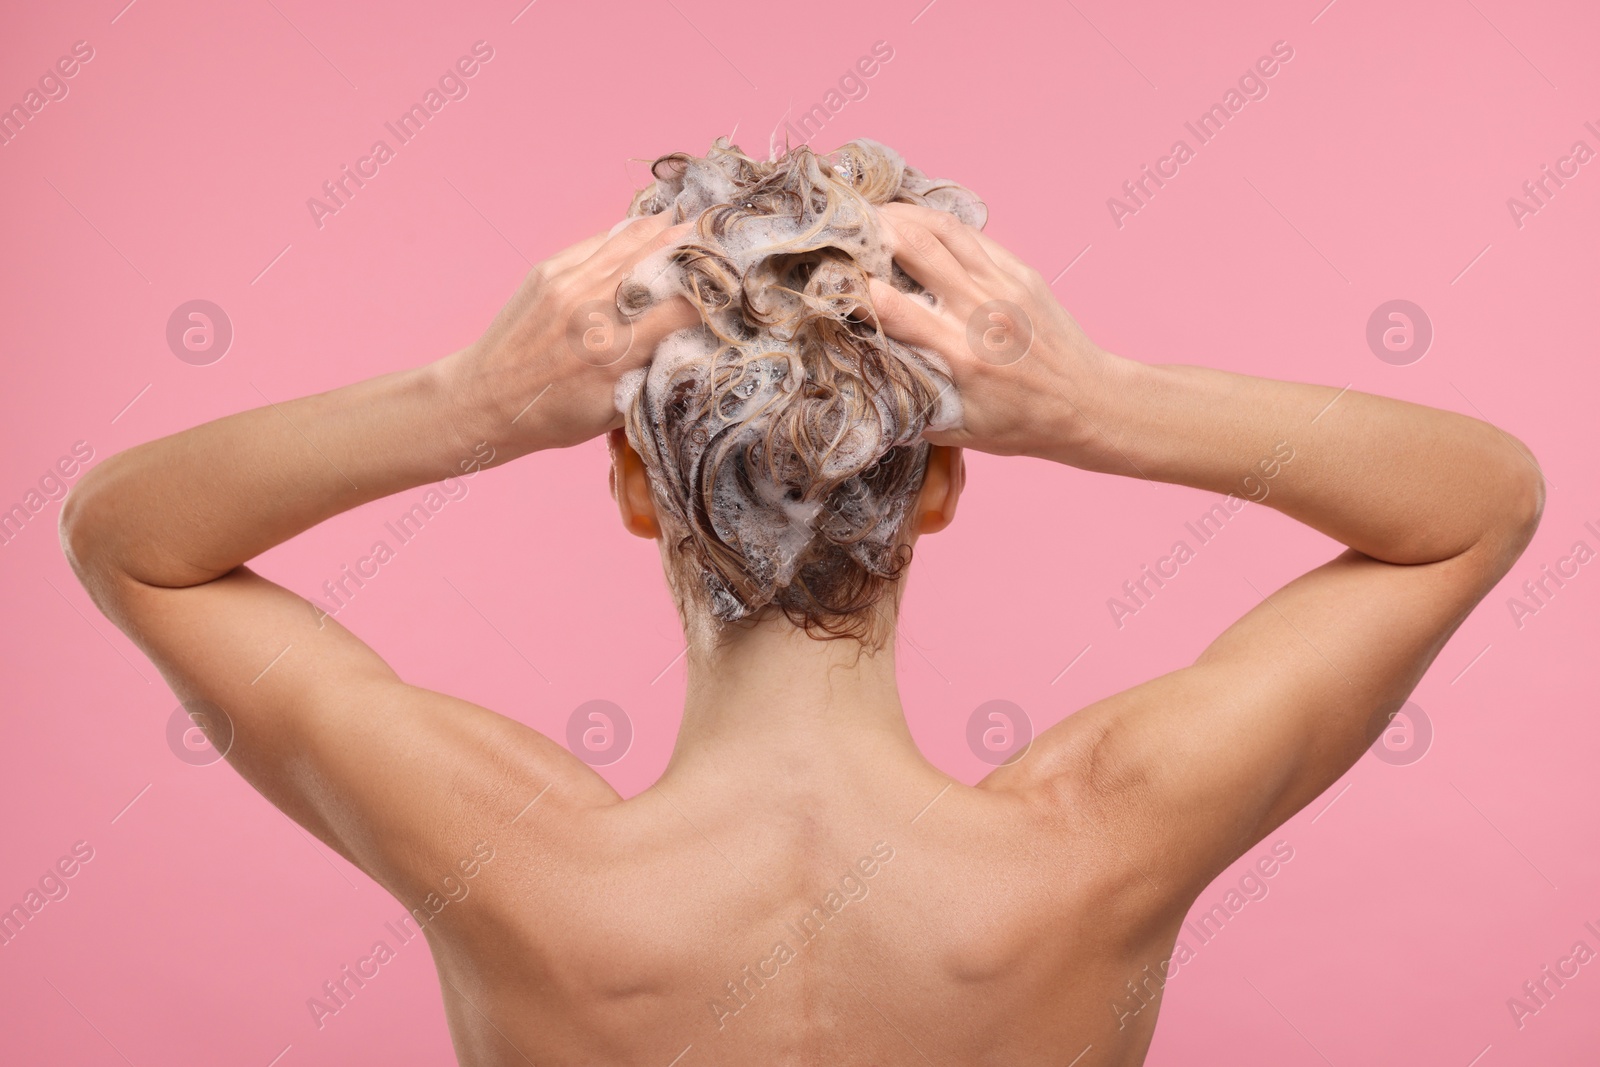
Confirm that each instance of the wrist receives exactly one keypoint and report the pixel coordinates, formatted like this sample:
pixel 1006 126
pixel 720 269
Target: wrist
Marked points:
pixel 1084 428
pixel 476 410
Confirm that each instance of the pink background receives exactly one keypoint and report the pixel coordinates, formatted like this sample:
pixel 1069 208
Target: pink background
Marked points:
pixel 1378 167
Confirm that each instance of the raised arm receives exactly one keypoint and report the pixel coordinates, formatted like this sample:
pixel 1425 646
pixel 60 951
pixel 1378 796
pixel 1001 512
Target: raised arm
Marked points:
pixel 1434 506
pixel 1198 765
pixel 381 771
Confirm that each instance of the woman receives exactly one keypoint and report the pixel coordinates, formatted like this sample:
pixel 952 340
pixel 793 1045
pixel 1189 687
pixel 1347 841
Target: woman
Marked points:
pixel 786 413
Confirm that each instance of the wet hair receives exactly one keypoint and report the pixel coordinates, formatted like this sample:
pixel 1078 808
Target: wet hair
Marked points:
pixel 783 436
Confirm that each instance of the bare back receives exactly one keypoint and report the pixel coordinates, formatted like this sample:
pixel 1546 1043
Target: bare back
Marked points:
pixel 897 918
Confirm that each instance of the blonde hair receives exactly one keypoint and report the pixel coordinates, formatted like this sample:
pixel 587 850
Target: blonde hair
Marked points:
pixel 783 438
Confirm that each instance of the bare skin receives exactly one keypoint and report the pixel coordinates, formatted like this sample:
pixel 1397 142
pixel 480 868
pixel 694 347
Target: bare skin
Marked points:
pixel 995 924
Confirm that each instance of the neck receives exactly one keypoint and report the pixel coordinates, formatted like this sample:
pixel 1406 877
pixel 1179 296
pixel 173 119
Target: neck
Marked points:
pixel 767 697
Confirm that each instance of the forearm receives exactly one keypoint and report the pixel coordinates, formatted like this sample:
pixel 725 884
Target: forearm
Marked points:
pixel 187 508
pixel 1400 482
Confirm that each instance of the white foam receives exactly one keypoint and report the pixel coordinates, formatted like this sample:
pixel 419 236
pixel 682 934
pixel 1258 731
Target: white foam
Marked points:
pixel 711 393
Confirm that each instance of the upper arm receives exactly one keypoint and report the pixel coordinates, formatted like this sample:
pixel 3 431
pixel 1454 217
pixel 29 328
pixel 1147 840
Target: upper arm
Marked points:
pixel 401 781
pixel 1197 766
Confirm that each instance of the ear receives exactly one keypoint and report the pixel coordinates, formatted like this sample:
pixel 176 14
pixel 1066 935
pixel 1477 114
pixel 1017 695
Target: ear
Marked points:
pixel 630 486
pixel 941 488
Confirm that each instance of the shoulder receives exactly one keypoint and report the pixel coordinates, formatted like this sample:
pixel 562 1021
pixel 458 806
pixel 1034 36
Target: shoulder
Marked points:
pixel 409 781
pixel 1091 786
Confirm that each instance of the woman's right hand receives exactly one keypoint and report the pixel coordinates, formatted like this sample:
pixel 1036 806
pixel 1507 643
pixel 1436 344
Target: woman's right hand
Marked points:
pixel 1022 366
pixel 562 334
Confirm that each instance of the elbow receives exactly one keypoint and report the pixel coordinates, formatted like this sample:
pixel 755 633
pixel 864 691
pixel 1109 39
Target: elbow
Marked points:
pixel 69 529
pixel 78 528
pixel 109 537
pixel 1527 499
pixel 88 533
pixel 1520 503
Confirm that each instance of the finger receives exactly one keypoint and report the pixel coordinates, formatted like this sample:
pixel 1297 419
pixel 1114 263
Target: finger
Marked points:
pixel 571 256
pixel 957 237
pixel 662 318
pixel 903 317
pixel 631 242
pixel 642 279
pixel 1003 257
pixel 923 256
